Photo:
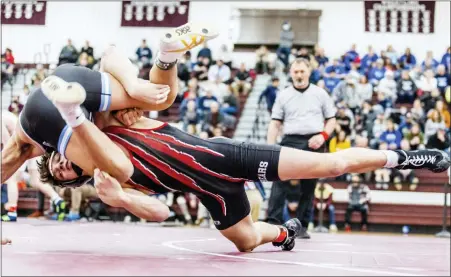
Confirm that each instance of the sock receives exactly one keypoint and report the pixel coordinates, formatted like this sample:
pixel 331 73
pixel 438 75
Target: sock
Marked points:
pixel 168 57
pixel 392 158
pixel 12 209
pixel 73 116
pixel 283 234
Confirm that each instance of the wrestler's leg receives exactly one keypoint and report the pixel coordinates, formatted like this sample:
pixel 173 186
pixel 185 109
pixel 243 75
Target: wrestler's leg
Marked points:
pixel 173 45
pixel 247 235
pixel 298 164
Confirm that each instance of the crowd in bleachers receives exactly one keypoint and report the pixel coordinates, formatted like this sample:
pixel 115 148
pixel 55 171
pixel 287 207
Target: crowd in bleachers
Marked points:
pixel 385 101
pixel 389 100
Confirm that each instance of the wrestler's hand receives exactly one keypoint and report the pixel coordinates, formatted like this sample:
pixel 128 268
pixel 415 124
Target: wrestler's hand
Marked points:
pixel 108 188
pixel 315 142
pixel 128 117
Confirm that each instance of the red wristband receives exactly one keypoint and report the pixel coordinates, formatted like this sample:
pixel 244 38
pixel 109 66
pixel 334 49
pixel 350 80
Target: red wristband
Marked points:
pixel 325 135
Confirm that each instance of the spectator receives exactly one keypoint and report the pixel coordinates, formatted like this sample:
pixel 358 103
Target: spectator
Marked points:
pixel 417 111
pixel 270 93
pixel 387 86
pixel 325 192
pixel 364 89
pixel 262 65
pixel 440 106
pixel 406 175
pixel 359 197
pixel 339 142
pixel 391 136
pixel 200 70
pixel 242 83
pixel 368 59
pixel 408 60
pixel 75 198
pixel 7 70
pixel 346 93
pixel 429 62
pixel 351 56
pixel 427 81
pixel 213 119
pixel 144 53
pixel 446 59
pixel 406 89
pixel 205 52
pixel 433 124
pixel 377 73
pixel 9 58
pixel 219 72
pixel 406 121
pixel 184 69
pixel 430 98
pixel 415 137
pixel 343 120
pixel 230 103
pixel 83 60
pixel 331 82
pixel 191 118
pixel 192 96
pixel 321 58
pixel 339 69
pixel 88 50
pixel 206 101
pixel 303 54
pixel 391 53
pixel 443 79
pixel 68 54
pixel 439 140
pixel 15 107
pixel 286 43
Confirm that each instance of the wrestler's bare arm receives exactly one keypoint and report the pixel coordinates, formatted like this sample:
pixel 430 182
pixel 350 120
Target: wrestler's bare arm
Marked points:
pixel 17 150
pixel 111 192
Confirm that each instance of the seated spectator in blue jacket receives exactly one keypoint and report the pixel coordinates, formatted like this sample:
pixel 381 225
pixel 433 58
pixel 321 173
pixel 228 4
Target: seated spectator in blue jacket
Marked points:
pixel 338 68
pixel 206 100
pixel 144 53
pixel 331 82
pixel 350 56
pixel 391 136
pixel 408 59
pixel 446 59
pixel 377 73
pixel 321 58
pixel 205 52
pixel 443 78
pixel 406 89
pixel 270 93
pixel 230 103
pixel 184 105
pixel 315 76
pixel 429 62
pixel 369 58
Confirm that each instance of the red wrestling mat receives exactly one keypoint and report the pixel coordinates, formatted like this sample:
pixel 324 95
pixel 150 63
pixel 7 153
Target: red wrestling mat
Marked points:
pixel 112 249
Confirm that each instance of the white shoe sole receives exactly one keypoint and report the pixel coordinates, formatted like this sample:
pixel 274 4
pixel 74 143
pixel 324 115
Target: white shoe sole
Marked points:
pixel 188 30
pixel 59 91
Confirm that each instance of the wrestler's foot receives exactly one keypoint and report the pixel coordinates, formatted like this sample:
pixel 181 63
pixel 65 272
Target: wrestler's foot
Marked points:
pixel 175 42
pixel 294 227
pixel 433 160
pixel 67 98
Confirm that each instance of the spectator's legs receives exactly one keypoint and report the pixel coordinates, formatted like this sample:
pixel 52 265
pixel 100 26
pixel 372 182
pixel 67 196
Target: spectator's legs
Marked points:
pixel 331 209
pixel 277 202
pixel 364 211
pixel 348 215
pixel 13 197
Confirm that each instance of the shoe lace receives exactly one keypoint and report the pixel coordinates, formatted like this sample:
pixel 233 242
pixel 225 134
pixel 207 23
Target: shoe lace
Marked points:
pixel 419 160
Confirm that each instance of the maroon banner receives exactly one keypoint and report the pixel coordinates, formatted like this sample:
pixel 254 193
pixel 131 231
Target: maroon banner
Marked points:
pixel 415 17
pixel 24 12
pixel 154 14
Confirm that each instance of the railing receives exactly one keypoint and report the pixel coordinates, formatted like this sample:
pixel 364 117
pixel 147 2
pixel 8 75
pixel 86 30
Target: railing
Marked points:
pixel 260 120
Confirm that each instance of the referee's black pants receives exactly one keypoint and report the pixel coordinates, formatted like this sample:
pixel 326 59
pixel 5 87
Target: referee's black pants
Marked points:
pixel 280 189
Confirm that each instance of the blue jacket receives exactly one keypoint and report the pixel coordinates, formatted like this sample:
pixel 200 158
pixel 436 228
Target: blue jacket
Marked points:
pixel 269 94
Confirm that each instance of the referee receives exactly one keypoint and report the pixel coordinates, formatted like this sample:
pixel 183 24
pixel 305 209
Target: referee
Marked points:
pixel 307 114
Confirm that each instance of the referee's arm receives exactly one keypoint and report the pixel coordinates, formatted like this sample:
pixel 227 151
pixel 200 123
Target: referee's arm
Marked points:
pixel 277 116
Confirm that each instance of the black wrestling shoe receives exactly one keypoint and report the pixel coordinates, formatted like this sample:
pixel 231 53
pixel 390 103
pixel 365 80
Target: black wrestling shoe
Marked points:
pixel 432 159
pixel 294 227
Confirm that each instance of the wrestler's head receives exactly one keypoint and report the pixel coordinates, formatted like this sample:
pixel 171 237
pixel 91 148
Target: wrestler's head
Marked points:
pixel 57 170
